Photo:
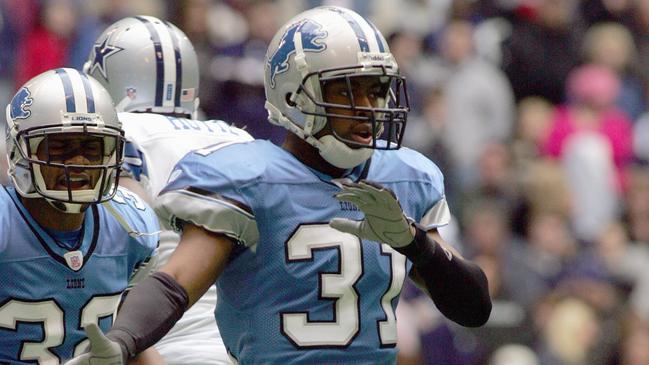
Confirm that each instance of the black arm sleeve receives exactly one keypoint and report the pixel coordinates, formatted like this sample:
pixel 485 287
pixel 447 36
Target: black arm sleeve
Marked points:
pixel 458 287
pixel 148 313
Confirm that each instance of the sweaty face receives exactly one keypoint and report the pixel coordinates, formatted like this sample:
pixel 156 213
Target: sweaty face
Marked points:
pixel 352 120
pixel 78 150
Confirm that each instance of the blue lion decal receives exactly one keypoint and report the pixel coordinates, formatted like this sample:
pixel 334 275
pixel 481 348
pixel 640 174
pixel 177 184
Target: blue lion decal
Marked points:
pixel 20 104
pixel 310 31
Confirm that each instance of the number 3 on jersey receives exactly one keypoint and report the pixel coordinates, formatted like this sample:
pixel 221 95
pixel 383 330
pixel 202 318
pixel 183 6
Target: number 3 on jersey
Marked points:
pixel 52 318
pixel 339 286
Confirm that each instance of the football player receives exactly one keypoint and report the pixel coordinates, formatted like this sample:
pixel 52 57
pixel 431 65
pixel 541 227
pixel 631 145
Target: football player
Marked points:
pixel 70 240
pixel 311 242
pixel 150 68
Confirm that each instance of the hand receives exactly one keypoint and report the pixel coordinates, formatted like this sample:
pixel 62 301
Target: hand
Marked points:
pixel 103 351
pixel 384 219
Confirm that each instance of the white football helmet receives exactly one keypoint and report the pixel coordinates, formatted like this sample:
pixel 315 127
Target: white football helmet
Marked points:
pixel 58 102
pixel 147 65
pixel 322 45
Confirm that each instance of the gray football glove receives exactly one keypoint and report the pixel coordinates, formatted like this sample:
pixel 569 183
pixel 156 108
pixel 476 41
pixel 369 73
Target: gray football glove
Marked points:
pixel 384 220
pixel 102 350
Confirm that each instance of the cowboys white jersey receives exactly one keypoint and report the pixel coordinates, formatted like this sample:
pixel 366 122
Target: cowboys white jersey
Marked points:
pixel 155 143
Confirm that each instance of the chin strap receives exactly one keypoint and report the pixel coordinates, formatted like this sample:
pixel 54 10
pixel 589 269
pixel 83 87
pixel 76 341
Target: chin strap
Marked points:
pixel 339 154
pixel 69 208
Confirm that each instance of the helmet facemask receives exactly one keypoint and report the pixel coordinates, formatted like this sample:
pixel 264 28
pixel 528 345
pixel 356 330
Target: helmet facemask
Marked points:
pixel 387 117
pixel 42 152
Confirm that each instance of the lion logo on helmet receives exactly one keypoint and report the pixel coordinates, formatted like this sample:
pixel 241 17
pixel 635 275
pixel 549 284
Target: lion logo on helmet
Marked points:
pixel 311 34
pixel 20 104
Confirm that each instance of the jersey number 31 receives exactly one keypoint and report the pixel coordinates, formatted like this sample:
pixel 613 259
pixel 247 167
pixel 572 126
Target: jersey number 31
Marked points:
pixel 339 286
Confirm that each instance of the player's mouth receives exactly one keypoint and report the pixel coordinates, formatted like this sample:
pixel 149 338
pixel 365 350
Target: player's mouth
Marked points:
pixel 362 133
pixel 76 181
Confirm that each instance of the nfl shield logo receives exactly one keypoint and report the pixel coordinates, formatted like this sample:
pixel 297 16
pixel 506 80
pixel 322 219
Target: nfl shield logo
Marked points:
pixel 131 92
pixel 74 259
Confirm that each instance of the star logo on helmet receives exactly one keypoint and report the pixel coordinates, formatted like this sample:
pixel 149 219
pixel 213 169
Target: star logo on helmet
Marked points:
pixel 102 52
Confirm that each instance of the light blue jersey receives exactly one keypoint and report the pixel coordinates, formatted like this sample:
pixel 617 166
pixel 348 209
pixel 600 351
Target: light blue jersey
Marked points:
pixel 48 292
pixel 295 290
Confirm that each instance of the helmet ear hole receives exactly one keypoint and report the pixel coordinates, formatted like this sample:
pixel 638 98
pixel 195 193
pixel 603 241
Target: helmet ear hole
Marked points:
pixel 290 102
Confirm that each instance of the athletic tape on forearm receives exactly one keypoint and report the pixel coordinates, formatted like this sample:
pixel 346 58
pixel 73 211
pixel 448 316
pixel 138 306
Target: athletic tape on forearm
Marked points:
pixel 149 311
pixel 458 287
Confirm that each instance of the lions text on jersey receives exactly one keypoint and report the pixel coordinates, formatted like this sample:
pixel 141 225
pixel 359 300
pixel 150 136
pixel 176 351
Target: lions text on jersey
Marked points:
pixel 50 291
pixel 155 143
pixel 296 290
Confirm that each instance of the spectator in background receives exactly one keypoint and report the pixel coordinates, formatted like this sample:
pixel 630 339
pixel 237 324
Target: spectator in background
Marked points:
pixel 541 52
pixel 640 30
pixel 634 345
pixel 611 45
pixel 534 118
pixel 512 354
pixel 636 202
pixel 46 45
pixel 569 328
pixel 407 48
pixel 599 11
pixel 479 102
pixel 592 91
pixel 238 74
pixel 590 173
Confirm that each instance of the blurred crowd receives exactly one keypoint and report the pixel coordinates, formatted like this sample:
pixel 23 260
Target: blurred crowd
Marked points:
pixel 536 112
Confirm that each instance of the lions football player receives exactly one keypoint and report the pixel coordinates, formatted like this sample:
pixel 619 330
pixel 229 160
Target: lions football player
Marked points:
pixel 311 242
pixel 150 68
pixel 70 240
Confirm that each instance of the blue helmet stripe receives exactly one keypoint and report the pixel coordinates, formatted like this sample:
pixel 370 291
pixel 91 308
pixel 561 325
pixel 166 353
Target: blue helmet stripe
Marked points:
pixel 90 99
pixel 377 35
pixel 360 35
pixel 67 88
pixel 179 65
pixel 157 46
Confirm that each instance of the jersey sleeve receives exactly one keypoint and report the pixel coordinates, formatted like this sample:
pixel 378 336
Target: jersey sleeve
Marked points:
pixel 206 189
pixel 431 197
pixel 134 165
pixel 141 225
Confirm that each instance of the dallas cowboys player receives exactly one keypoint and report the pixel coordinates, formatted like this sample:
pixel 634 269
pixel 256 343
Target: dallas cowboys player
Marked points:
pixel 70 240
pixel 311 241
pixel 158 100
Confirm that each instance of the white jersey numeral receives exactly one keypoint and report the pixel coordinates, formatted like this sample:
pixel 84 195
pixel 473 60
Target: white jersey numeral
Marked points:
pixel 339 286
pixel 97 308
pixel 50 314
pixel 46 312
pixel 388 328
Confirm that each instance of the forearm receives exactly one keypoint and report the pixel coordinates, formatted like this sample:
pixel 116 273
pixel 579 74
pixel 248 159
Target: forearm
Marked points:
pixel 458 287
pixel 148 313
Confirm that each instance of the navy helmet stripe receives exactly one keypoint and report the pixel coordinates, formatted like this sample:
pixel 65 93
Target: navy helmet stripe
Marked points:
pixel 90 99
pixel 67 88
pixel 379 41
pixel 360 35
pixel 179 65
pixel 157 46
